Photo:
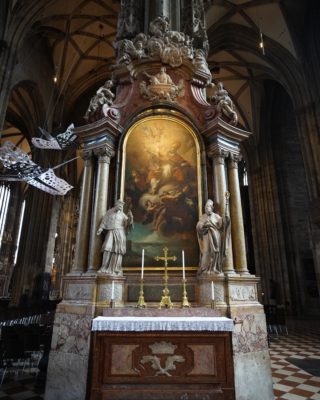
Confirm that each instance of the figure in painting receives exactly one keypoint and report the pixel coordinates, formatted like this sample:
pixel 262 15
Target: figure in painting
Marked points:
pixel 213 234
pixel 224 104
pixel 117 225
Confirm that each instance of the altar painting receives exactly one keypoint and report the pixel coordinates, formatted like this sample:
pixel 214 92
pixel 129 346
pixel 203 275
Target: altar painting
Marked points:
pixel 161 185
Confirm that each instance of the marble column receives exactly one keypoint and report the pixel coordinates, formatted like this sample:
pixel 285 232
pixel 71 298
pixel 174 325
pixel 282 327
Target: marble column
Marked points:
pixel 83 229
pixel 220 188
pixel 100 206
pixel 237 229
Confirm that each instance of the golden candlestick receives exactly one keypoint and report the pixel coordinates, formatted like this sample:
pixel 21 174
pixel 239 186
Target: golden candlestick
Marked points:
pixel 141 302
pixel 165 299
pixel 185 302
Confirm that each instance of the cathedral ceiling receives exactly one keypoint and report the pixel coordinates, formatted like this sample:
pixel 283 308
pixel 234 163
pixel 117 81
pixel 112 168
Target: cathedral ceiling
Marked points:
pixel 80 35
pixel 242 64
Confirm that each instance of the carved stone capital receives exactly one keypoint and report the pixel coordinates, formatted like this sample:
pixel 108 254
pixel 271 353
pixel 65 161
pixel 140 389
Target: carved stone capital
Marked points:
pixel 234 160
pixel 86 155
pixel 218 156
pixel 104 154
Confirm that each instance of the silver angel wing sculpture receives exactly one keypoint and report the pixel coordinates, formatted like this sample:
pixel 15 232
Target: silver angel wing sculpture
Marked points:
pixel 21 168
pixel 59 142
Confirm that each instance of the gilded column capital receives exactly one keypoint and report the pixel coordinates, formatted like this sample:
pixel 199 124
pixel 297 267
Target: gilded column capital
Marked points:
pixel 104 154
pixel 234 160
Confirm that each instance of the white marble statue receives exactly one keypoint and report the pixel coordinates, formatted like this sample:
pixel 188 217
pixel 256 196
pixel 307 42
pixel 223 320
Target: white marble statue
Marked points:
pixel 117 225
pixel 224 104
pixel 103 96
pixel 213 234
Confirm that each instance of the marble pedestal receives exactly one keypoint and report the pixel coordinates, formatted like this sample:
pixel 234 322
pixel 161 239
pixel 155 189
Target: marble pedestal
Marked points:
pixel 237 297
pixel 84 297
pixel 219 293
pixel 251 359
pixel 104 295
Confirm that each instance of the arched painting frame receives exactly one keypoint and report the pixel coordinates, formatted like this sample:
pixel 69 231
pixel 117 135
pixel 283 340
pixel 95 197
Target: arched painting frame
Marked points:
pixel 161 183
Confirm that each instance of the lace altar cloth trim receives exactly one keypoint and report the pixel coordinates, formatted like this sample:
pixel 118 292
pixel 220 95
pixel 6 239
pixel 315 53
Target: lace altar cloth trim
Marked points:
pixel 142 324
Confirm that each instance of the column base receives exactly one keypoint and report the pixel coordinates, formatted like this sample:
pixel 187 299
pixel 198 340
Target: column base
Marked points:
pixel 230 272
pixel 91 271
pixel 75 273
pixel 243 273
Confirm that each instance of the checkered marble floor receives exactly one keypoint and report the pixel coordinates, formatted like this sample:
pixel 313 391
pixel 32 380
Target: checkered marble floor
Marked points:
pixel 289 381
pixel 21 388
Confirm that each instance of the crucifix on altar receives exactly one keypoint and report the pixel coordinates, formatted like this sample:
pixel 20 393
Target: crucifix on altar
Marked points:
pixel 165 299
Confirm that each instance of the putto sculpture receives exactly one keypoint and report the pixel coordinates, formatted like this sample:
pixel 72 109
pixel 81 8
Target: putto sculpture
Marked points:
pixel 213 235
pixel 128 50
pixel 170 47
pixel 117 225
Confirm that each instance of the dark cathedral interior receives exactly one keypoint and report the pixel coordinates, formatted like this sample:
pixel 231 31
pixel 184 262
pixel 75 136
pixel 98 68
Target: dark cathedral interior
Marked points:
pixel 145 118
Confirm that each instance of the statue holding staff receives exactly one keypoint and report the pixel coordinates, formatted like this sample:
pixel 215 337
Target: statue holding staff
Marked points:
pixel 213 235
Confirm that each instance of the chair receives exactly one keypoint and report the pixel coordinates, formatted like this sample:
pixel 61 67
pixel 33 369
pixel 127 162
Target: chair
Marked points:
pixel 13 356
pixel 271 318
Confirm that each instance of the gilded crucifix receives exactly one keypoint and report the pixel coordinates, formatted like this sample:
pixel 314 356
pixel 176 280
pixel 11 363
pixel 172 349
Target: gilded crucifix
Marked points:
pixel 165 299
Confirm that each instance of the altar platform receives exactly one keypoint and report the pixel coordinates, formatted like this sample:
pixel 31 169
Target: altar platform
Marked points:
pixel 161 355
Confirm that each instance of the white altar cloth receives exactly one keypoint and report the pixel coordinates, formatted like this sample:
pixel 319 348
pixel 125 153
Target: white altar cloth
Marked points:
pixel 142 324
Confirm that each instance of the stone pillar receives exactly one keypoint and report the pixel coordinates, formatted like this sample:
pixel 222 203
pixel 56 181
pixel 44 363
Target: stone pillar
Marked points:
pixel 100 206
pixel 237 229
pixel 83 229
pixel 220 188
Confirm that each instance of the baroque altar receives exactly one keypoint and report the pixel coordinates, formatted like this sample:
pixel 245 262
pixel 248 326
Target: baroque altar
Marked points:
pixel 160 171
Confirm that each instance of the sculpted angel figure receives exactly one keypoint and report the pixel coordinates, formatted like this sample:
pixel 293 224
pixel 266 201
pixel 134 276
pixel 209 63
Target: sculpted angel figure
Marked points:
pixel 117 225
pixel 103 96
pixel 213 235
pixel 224 104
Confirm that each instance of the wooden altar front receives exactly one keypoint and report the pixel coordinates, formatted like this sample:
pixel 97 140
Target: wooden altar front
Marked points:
pixel 161 358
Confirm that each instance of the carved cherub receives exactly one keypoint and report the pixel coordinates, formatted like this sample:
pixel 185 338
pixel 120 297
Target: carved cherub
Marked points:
pixel 128 51
pixel 159 26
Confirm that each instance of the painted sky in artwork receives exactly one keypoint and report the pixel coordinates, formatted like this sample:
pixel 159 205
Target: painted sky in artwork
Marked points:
pixel 160 184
